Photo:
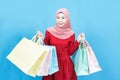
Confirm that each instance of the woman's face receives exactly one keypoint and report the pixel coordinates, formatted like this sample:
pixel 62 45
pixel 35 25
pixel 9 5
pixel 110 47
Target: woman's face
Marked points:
pixel 60 20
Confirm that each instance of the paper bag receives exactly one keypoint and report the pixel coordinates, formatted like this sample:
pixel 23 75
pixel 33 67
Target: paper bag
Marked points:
pixel 44 68
pixel 92 60
pixel 27 56
pixel 80 61
pixel 50 64
pixel 54 62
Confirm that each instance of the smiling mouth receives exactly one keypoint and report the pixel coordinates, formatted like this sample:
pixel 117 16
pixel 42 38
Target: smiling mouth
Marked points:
pixel 60 23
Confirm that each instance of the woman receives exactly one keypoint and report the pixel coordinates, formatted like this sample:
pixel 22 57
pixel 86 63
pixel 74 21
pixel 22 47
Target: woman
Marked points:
pixel 63 38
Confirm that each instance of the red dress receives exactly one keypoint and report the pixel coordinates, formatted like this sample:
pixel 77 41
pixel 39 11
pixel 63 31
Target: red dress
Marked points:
pixel 64 48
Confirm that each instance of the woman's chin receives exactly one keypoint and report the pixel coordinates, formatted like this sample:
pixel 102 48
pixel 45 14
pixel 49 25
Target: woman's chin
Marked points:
pixel 60 25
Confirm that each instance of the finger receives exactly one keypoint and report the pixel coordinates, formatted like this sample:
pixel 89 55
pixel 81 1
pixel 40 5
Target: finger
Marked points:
pixel 38 32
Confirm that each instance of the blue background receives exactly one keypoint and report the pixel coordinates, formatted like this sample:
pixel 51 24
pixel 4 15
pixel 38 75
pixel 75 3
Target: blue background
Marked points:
pixel 99 19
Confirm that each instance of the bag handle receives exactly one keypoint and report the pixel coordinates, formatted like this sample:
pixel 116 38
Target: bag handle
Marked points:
pixel 38 40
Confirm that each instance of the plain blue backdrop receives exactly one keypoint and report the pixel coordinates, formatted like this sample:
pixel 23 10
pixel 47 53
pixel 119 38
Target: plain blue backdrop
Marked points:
pixel 99 19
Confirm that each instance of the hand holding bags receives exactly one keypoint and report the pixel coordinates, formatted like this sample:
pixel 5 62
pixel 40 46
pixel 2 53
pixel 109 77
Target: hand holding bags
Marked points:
pixel 85 62
pixel 34 59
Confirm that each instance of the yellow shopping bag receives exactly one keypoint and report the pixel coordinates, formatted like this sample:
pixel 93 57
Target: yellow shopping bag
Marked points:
pixel 28 56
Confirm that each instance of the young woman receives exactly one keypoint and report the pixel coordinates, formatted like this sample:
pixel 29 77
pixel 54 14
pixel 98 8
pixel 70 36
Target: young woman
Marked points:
pixel 63 38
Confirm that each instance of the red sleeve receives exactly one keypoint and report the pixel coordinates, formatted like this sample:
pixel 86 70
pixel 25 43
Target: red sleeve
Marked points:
pixel 47 38
pixel 73 45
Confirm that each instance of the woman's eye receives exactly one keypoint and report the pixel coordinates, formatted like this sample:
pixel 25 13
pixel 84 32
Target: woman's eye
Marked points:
pixel 58 17
pixel 63 18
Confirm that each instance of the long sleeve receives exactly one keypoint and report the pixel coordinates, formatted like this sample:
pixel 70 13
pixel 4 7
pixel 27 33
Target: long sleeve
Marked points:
pixel 47 38
pixel 73 45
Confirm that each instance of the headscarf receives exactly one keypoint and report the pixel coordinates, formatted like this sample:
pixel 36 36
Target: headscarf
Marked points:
pixel 62 32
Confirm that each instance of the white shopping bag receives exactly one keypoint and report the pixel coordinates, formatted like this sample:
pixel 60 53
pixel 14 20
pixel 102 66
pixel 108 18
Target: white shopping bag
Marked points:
pixel 44 68
pixel 28 56
pixel 92 60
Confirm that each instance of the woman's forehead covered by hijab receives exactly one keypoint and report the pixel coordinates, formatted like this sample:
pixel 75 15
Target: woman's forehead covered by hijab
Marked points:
pixel 64 11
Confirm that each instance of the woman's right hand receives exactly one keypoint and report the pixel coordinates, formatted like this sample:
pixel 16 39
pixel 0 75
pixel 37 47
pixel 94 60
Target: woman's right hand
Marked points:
pixel 39 34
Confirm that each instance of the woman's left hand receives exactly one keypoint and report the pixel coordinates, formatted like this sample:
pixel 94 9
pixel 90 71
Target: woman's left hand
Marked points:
pixel 81 37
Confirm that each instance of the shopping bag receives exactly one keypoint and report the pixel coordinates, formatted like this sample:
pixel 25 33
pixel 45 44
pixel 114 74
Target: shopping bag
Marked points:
pixel 92 60
pixel 44 68
pixel 80 61
pixel 50 65
pixel 53 62
pixel 27 56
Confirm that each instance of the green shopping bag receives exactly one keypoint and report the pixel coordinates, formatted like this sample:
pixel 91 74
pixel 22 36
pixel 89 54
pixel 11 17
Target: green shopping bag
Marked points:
pixel 80 61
